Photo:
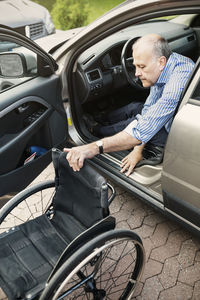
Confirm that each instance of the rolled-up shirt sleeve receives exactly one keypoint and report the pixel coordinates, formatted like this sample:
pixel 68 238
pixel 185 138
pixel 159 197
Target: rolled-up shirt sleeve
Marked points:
pixel 130 127
pixel 164 99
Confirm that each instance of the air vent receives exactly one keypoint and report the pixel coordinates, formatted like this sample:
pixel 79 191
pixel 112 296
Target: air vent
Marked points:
pixel 35 30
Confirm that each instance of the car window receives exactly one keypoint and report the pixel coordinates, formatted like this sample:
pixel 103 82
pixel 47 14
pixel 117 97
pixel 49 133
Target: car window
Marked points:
pixel 17 64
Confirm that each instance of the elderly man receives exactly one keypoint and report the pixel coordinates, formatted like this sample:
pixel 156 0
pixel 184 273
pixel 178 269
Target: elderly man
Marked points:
pixel 166 73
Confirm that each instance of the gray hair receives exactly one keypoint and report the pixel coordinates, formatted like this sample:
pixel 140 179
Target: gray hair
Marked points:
pixel 161 48
pixel 160 45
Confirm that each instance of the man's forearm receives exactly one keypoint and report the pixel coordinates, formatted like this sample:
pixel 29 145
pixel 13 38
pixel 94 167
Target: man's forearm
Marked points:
pixel 119 141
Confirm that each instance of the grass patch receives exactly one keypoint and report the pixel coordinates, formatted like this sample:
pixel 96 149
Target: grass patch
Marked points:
pixel 98 8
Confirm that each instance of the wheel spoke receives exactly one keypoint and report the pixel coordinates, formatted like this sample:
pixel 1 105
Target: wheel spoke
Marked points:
pixel 110 275
pixel 30 208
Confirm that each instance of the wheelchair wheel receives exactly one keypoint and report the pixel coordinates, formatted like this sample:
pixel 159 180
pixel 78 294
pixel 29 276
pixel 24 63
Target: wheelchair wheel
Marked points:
pixel 107 267
pixel 27 205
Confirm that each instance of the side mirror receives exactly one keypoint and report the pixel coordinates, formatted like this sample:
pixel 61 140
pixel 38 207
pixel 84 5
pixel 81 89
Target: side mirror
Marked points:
pixel 15 65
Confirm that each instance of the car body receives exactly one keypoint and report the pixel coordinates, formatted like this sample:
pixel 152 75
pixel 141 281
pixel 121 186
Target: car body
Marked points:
pixel 52 42
pixel 85 74
pixel 26 17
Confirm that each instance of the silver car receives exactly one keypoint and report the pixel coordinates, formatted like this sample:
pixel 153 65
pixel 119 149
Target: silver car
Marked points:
pixel 86 75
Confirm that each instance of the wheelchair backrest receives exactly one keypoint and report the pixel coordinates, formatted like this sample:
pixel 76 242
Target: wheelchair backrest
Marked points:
pixel 83 194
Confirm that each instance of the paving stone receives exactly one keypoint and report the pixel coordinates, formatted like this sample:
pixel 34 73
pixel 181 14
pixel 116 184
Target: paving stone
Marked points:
pixel 197 257
pixel 154 219
pixel 147 208
pixel 119 190
pixel 152 289
pixel 196 291
pixel 150 210
pixel 173 225
pixel 190 275
pixel 179 292
pixel 160 234
pixel 144 231
pixel 118 201
pixel 196 241
pixel 148 246
pixel 172 246
pixel 138 298
pixel 129 206
pixel 116 204
pixel 135 202
pixel 136 218
pixel 151 269
pixel 138 290
pixel 122 225
pixel 122 215
pixel 170 272
pixel 187 253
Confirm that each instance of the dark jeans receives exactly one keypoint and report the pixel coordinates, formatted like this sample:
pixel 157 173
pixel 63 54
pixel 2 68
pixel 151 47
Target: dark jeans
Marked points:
pixel 118 119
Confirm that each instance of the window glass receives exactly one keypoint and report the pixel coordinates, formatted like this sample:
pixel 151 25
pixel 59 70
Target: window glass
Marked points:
pixel 17 64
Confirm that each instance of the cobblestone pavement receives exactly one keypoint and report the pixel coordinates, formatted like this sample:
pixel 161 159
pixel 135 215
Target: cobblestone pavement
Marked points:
pixel 172 270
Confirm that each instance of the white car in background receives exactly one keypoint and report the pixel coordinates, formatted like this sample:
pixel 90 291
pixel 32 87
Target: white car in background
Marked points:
pixel 34 21
pixel 49 43
pixel 26 17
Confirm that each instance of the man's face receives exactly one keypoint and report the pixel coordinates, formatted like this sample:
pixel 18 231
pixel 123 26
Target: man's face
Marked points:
pixel 148 67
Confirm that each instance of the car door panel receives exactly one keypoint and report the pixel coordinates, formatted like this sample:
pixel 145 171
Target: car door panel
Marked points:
pixel 32 114
pixel 180 178
pixel 17 128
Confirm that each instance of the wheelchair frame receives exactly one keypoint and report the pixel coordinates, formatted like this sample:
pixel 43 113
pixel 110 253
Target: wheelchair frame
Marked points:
pixel 100 263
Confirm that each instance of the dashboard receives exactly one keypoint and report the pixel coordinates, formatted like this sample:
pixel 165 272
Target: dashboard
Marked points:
pixel 99 72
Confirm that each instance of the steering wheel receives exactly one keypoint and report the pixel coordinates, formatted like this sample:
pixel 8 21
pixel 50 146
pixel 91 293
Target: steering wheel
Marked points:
pixel 127 65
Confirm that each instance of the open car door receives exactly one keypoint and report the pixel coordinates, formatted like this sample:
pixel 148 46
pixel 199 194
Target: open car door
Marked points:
pixel 32 116
pixel 180 178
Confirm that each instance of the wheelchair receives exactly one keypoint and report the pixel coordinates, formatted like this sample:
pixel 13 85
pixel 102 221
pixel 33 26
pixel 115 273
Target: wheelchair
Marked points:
pixel 58 240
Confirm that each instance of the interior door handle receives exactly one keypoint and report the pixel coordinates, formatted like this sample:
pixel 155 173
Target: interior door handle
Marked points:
pixel 22 108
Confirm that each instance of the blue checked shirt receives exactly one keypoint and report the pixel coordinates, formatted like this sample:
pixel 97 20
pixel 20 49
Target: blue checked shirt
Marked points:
pixel 162 101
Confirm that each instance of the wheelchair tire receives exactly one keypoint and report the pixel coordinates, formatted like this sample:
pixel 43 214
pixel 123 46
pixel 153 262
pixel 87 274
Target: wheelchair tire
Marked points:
pixel 26 205
pixel 107 267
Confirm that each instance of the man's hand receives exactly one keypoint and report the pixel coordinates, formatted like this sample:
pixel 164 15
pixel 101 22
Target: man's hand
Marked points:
pixel 77 155
pixel 117 142
pixel 130 161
